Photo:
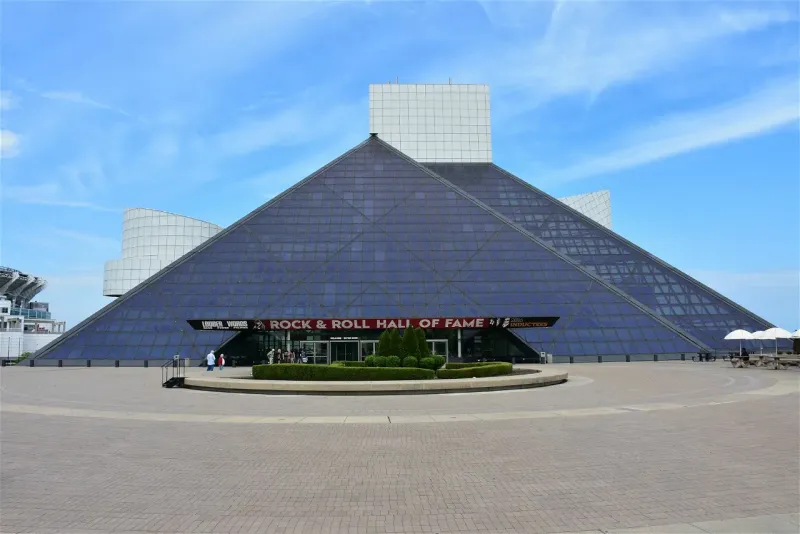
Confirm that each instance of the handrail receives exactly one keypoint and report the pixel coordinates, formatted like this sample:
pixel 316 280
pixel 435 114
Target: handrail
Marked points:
pixel 173 372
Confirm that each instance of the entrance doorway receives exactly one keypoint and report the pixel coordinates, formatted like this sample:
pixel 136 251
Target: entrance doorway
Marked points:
pixel 438 346
pixel 316 352
pixel 344 351
pixel 368 348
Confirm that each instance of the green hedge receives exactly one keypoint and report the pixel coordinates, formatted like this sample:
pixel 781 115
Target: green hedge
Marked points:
pixel 410 361
pixel 476 371
pixel 342 363
pixel 469 364
pixel 301 371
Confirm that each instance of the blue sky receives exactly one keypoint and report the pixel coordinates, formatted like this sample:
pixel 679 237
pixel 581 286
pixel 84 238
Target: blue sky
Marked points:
pixel 687 111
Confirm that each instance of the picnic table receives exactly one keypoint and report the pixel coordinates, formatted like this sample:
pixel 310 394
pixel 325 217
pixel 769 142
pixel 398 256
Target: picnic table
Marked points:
pixel 770 361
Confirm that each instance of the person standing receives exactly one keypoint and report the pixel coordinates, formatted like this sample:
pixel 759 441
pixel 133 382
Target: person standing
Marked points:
pixel 271 355
pixel 210 361
pixel 221 362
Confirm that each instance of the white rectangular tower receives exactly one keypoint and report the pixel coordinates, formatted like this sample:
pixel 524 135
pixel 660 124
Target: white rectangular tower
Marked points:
pixel 433 122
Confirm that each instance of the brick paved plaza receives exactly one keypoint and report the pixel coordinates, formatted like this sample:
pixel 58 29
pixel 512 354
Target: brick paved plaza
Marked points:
pixel 619 446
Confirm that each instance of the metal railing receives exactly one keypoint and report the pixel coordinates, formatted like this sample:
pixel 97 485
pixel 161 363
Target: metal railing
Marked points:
pixel 173 372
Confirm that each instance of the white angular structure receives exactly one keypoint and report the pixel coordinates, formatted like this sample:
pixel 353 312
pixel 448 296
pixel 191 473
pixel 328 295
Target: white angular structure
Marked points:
pixel 433 122
pixel 151 240
pixel 595 205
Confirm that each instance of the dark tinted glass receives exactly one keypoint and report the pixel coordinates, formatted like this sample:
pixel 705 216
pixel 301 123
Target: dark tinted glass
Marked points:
pixel 373 235
pixel 666 291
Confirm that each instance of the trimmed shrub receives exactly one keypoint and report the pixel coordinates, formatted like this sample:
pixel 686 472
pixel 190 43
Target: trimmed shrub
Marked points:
pixel 478 371
pixel 369 361
pixel 410 361
pixel 342 363
pixel 380 361
pixel 428 363
pixel 394 361
pixel 468 364
pixel 298 371
pixel 384 344
pixel 395 342
pixel 422 343
pixel 410 346
pixel 336 364
pixel 438 361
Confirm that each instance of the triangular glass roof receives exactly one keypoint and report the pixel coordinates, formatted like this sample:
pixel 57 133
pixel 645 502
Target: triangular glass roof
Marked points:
pixel 373 234
pixel 671 294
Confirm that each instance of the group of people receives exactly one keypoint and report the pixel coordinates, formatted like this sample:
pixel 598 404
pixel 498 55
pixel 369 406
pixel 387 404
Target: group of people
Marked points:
pixel 286 356
pixel 212 360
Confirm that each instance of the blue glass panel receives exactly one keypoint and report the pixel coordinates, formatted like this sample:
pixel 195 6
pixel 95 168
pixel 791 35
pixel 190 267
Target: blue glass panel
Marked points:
pixel 641 275
pixel 373 235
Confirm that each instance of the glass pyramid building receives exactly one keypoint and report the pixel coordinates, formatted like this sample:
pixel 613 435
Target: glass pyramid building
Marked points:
pixel 376 234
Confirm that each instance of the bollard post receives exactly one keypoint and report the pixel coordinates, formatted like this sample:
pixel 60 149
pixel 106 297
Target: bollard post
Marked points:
pixel 572 359
pixel 31 363
pixel 61 363
pixel 599 359
pixel 146 363
pixel 683 357
pixel 116 363
pixel 88 363
pixel 628 358
pixel 655 357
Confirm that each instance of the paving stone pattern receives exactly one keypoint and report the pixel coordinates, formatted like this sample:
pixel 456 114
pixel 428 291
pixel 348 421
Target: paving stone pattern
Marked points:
pixel 692 465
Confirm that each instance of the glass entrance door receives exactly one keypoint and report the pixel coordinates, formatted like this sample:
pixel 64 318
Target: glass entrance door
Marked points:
pixel 438 346
pixel 314 351
pixel 368 348
pixel 344 351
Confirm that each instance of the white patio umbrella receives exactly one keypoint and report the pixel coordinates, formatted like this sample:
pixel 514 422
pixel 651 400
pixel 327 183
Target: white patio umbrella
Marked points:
pixel 740 335
pixel 776 334
pixel 759 335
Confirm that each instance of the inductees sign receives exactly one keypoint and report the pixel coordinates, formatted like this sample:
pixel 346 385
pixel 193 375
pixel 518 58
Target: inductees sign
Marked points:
pixel 446 323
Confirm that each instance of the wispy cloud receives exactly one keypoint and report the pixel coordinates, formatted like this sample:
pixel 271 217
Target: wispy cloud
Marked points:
pixel 773 106
pixel 9 144
pixel 298 125
pixel 47 194
pixel 7 100
pixel 589 47
pixel 79 98
pixel 86 239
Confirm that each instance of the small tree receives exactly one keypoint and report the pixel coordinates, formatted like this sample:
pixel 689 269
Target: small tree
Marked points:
pixel 422 343
pixel 395 343
pixel 410 343
pixel 384 344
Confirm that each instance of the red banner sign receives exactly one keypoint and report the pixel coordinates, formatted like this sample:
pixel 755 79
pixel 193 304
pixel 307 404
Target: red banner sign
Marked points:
pixel 446 323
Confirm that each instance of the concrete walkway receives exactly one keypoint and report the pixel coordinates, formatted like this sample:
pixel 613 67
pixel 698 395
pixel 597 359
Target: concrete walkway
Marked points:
pixel 762 524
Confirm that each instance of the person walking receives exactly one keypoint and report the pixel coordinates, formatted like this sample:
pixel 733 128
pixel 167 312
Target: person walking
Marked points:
pixel 210 361
pixel 221 362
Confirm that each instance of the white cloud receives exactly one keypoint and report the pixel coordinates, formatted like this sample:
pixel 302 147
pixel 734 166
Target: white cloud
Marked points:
pixel 7 100
pixel 269 183
pixel 80 98
pixel 47 194
pixel 588 47
pixel 298 125
pixel 9 144
pixel 87 239
pixel 773 106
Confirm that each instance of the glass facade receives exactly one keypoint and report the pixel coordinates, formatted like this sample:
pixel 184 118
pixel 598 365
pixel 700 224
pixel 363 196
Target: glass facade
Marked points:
pixel 376 234
pixel 667 292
